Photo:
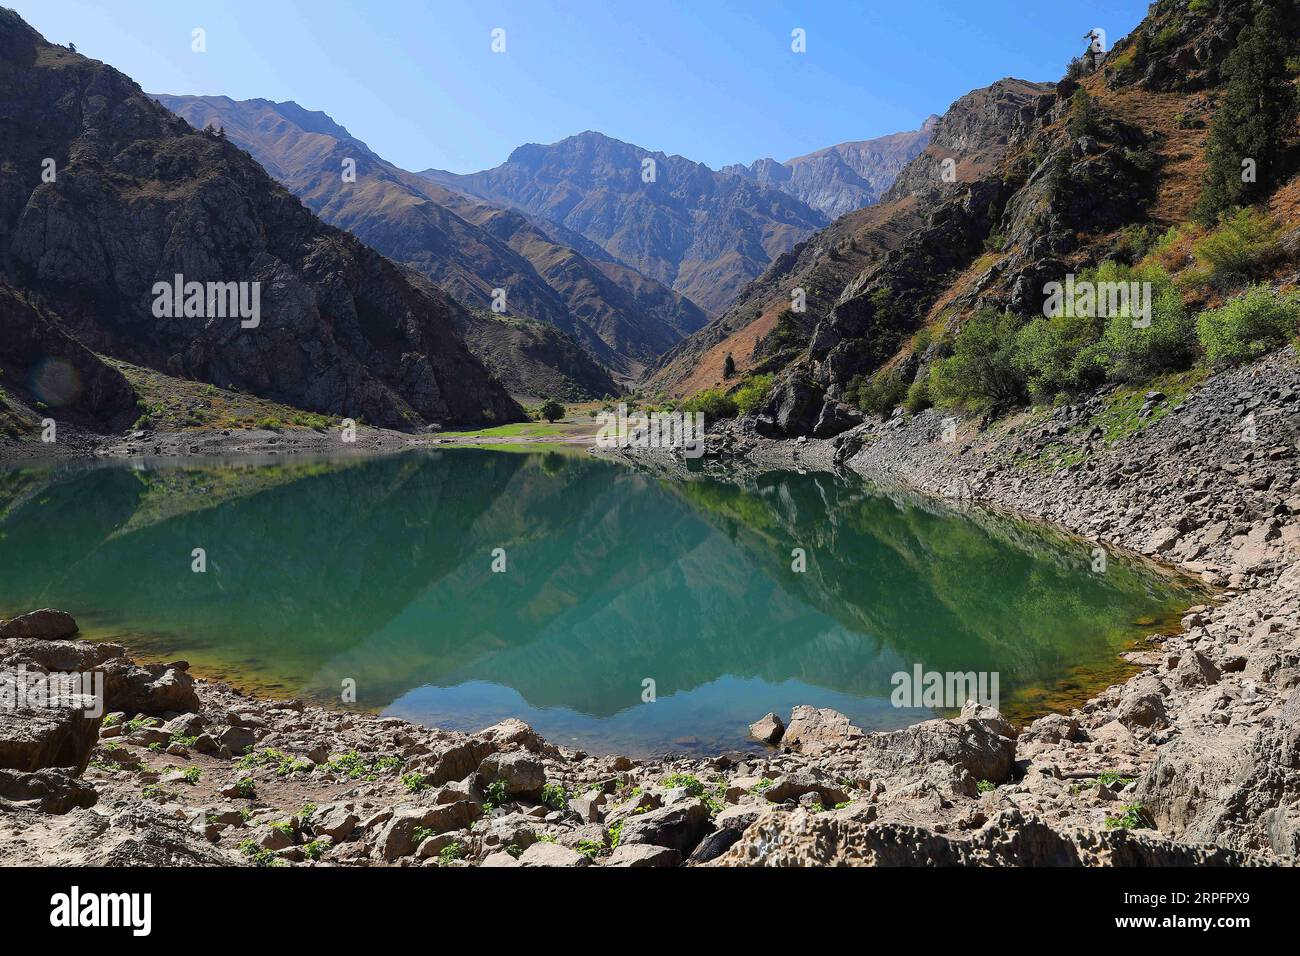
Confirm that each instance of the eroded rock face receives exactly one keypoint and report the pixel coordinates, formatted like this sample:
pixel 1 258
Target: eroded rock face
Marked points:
pixel 51 790
pixel 980 742
pixel 1241 793
pixel 34 738
pixel 842 838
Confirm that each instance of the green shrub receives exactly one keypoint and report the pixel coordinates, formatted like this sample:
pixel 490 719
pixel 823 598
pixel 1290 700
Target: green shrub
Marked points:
pixel 981 374
pixel 713 402
pixel 1131 354
pixel 1059 354
pixel 918 395
pixel 1249 326
pixel 1085 119
pixel 880 394
pixel 1244 246
pixel 752 393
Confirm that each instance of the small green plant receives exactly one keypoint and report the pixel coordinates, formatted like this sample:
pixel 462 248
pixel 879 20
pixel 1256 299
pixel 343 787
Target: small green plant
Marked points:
pixel 355 767
pixel 590 848
pixel 314 850
pixel 1110 778
pixel 307 811
pixel 257 855
pixel 246 788
pixel 452 851
pixel 985 786
pixel 495 795
pixel 414 781
pixel 284 826
pixel 191 774
pixel 765 784
pixel 555 796
pixel 616 834
pixel 1133 817
pixel 183 740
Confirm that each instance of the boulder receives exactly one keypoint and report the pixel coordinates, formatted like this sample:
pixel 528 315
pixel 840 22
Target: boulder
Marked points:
pixel 51 790
pixel 32 739
pixel 1195 670
pixel 980 742
pixel 523 774
pixel 1142 703
pixel 796 406
pixel 46 624
pixel 643 854
pixel 397 838
pixel 512 732
pixel 813 730
pixel 767 729
pixel 680 826
pixel 552 854
pixel 154 689
pixel 793 785
pixel 334 820
pixel 716 843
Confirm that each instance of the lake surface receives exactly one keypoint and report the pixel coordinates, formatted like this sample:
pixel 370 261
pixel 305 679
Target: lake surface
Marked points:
pixel 380 571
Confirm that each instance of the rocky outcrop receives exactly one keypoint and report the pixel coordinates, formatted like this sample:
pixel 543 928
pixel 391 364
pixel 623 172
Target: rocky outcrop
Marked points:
pixel 845 838
pixel 139 197
pixel 62 734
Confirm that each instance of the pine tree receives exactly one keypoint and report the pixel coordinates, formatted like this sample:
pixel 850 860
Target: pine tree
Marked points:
pixel 729 367
pixel 1255 118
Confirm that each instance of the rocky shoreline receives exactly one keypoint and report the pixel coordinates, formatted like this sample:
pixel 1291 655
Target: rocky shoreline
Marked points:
pixel 1194 761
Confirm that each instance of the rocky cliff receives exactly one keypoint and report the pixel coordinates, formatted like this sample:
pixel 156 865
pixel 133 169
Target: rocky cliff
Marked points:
pixel 104 194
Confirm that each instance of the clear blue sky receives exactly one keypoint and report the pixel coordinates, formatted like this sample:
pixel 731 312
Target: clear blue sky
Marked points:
pixel 713 80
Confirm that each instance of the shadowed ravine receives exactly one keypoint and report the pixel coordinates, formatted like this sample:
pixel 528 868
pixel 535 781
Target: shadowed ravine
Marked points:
pixel 380 570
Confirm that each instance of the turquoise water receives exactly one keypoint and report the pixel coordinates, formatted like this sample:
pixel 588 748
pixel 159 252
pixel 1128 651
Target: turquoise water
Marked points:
pixel 380 571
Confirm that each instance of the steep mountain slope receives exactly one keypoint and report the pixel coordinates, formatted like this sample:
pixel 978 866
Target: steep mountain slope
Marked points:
pixel 974 132
pixel 137 197
pixel 468 248
pixel 1098 170
pixel 701 232
pixel 839 179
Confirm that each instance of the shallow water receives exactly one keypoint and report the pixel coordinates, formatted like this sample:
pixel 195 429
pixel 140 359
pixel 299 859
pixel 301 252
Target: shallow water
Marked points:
pixel 379 571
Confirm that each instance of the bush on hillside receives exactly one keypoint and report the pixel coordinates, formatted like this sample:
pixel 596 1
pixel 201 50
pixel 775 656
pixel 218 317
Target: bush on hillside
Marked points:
pixel 1249 326
pixel 713 402
pixel 918 395
pixel 880 394
pixel 1168 343
pixel 981 374
pixel 752 393
pixel 1244 246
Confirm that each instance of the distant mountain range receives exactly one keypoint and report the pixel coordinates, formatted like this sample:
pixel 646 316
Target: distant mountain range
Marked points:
pixel 620 319
pixel 105 194
pixel 839 179
pixel 703 233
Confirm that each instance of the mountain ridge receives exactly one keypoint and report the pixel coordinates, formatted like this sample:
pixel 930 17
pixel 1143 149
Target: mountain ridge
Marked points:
pixel 138 197
pixel 703 233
